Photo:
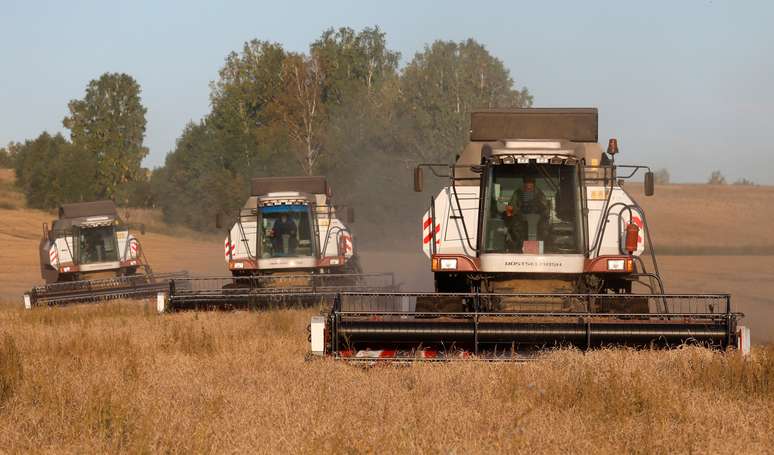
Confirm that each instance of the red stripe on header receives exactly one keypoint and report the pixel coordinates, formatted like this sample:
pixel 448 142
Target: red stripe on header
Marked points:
pixel 429 354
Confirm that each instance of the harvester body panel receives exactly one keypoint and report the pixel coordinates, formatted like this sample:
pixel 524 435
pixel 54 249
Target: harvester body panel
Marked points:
pixel 624 208
pixel 453 229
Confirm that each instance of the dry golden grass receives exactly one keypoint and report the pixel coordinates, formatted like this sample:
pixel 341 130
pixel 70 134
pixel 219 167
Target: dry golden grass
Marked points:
pixel 709 219
pixel 10 198
pixel 117 377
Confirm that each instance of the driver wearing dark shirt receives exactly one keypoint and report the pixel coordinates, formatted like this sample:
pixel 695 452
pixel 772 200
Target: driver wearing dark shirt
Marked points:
pixel 282 227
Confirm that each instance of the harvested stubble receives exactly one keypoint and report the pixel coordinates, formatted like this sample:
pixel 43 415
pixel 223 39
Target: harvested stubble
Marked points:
pixel 117 377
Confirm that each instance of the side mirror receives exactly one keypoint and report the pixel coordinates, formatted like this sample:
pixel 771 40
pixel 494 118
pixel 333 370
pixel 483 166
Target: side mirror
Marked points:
pixel 649 184
pixel 142 228
pixel 350 211
pixel 218 220
pixel 418 179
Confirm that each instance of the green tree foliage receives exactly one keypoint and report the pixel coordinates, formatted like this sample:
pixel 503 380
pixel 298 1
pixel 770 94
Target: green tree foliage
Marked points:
pixel 343 109
pixel 198 179
pixel 109 124
pixel 50 171
pixel 440 87
pixel 360 86
pixel 137 193
pixel 353 61
pixel 107 128
pixel 210 168
pixel 364 158
pixel 6 160
pixel 299 107
pixel 241 119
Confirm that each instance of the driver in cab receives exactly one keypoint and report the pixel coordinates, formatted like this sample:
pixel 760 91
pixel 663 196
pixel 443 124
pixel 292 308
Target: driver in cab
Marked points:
pixel 527 203
pixel 282 227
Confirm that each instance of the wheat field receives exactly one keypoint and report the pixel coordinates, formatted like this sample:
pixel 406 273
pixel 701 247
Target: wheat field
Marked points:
pixel 118 378
pixel 709 219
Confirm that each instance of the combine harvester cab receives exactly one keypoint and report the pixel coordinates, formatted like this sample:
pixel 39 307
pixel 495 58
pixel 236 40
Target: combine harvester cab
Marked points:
pixel 88 255
pixel 534 244
pixel 287 246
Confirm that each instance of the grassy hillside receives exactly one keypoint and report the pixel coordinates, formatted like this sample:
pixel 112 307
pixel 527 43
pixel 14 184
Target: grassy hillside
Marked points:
pixel 10 198
pixel 709 219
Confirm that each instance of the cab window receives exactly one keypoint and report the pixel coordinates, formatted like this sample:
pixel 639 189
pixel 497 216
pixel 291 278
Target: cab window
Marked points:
pixel 532 209
pixel 286 231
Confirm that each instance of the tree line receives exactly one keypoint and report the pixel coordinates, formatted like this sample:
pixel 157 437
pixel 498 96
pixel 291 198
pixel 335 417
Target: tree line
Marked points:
pixel 345 109
pixel 662 177
pixel 100 160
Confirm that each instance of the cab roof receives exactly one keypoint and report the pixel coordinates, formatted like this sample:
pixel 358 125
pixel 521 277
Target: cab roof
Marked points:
pixel 303 184
pixel 88 209
pixel 571 124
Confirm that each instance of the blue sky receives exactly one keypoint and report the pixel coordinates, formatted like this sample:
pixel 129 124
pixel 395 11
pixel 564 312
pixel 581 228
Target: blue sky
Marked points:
pixel 684 85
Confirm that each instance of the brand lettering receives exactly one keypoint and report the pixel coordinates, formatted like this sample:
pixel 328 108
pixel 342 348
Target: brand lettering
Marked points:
pixel 532 264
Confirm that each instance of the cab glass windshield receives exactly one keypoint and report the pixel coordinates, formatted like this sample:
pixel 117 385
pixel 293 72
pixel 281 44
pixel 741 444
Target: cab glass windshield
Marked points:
pixel 97 244
pixel 286 231
pixel 532 209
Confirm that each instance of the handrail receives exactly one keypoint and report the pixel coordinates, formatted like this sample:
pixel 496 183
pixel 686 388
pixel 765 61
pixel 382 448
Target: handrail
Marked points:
pixel 433 250
pixel 462 215
pixel 336 231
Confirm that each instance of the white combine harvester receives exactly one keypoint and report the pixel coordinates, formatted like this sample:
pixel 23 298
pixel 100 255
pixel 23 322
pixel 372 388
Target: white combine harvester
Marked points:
pixel 89 254
pixel 289 224
pixel 534 243
pixel 287 246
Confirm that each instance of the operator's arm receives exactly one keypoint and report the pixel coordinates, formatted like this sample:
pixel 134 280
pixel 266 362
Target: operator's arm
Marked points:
pixel 514 205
